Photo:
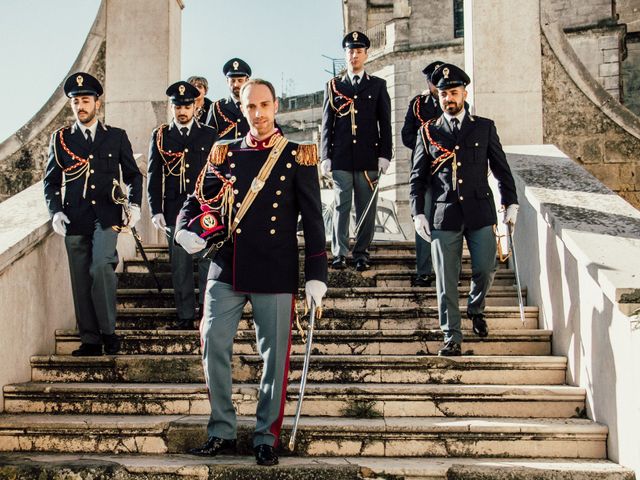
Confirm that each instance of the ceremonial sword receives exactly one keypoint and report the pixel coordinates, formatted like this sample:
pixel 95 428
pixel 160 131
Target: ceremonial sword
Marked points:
pixel 121 199
pixel 515 268
pixel 366 210
pixel 305 371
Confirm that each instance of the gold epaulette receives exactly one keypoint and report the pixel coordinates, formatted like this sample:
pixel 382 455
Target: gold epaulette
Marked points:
pixel 307 154
pixel 218 152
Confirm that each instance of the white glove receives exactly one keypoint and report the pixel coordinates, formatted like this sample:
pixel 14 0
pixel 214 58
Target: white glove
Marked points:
pixel 383 164
pixel 159 222
pixel 315 289
pixel 58 223
pixel 134 210
pixel 190 241
pixel 510 214
pixel 325 167
pixel 421 224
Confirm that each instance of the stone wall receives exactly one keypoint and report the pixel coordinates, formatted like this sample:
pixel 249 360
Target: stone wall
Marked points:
pixel 574 13
pixel 431 22
pixel 585 133
pixel 631 76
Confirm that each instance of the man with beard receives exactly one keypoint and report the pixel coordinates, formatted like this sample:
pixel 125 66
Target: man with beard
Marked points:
pixel 225 115
pixel 259 185
pixel 422 108
pixel 177 153
pixel 86 159
pixel 451 159
pixel 203 104
pixel 356 146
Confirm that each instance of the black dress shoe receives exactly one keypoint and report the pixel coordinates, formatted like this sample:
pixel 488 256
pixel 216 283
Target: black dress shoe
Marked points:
pixel 265 455
pixel 111 344
pixel 339 263
pixel 362 264
pixel 214 446
pixel 423 280
pixel 88 350
pixel 450 349
pixel 182 325
pixel 479 324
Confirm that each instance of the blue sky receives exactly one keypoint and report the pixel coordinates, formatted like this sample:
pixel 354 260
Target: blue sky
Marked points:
pixel 41 39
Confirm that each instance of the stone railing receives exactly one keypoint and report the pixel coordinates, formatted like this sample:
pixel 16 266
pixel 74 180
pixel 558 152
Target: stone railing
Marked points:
pixel 378 36
pixel 578 246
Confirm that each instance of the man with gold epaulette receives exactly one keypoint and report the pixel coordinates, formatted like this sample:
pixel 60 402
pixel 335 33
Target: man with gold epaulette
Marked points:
pixel 249 198
pixel 86 159
pixel 451 160
pixel 225 115
pixel 177 153
pixel 356 147
pixel 422 108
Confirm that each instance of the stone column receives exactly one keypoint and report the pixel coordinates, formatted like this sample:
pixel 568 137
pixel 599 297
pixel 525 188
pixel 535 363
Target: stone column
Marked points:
pixel 503 59
pixel 142 59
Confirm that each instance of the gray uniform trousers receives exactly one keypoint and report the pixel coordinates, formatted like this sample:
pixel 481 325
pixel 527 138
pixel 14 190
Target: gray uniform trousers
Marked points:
pixel 446 250
pixel 92 263
pixel 273 315
pixel 182 277
pixel 348 187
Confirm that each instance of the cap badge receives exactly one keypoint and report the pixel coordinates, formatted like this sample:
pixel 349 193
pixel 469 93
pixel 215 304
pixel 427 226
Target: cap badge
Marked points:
pixel 79 80
pixel 236 65
pixel 445 73
pixel 181 89
pixel 355 35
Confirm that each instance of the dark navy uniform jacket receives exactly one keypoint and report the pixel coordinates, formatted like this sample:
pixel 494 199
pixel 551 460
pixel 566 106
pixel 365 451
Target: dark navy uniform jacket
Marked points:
pixel 88 197
pixel 227 119
pixel 470 203
pixel 165 188
pixel 263 254
pixel 372 110
pixel 422 108
pixel 204 112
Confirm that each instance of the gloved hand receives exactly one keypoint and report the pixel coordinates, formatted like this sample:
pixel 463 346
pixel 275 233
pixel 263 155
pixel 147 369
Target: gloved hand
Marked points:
pixel 159 222
pixel 383 164
pixel 325 167
pixel 58 223
pixel 510 214
pixel 134 210
pixel 421 224
pixel 190 241
pixel 315 289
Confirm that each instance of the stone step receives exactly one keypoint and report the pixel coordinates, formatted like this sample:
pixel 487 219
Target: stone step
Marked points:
pixel 372 400
pixel 329 342
pixel 344 278
pixel 318 436
pixel 27 466
pixel 385 318
pixel 381 261
pixel 348 369
pixel 358 297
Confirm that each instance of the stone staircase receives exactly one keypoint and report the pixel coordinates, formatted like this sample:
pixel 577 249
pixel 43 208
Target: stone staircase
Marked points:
pixel 379 402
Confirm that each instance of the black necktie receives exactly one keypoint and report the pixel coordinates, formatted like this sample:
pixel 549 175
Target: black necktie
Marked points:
pixel 454 126
pixel 184 131
pixel 89 139
pixel 356 80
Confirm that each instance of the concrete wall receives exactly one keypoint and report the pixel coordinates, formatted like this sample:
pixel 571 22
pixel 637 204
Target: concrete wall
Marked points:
pixel 431 22
pixel 578 248
pixel 35 290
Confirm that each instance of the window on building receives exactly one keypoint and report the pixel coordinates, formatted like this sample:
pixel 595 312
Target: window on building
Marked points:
pixel 293 103
pixel 458 18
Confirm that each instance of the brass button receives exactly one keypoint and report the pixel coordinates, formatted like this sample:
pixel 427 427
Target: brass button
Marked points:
pixel 239 120
pixel 275 205
pixel 235 192
pixel 459 164
pixel 288 165
pixel 461 198
pixel 93 187
pixel 201 148
pixel 92 171
pixel 273 219
pixel 283 178
pixel 238 204
pixel 354 140
pixel 186 165
pixel 186 150
pixel 187 180
pixel 457 147
pixel 90 156
pixel 93 202
pixel 272 231
pixel 355 96
pixel 238 230
pixel 110 155
pixel 476 144
pixel 57 193
pixel 460 181
pixel 233 178
pixel 355 111
pixel 278 192
pixel 294 152
pixel 230 154
pixel 233 165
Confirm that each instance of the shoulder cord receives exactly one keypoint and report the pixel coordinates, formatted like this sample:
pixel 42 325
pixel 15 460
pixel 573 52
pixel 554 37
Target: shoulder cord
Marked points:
pixel 231 124
pixel 437 163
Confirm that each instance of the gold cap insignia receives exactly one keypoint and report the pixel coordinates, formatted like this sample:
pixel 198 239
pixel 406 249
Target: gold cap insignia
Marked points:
pixel 79 80
pixel 208 221
pixel 181 89
pixel 236 65
pixel 445 72
pixel 355 35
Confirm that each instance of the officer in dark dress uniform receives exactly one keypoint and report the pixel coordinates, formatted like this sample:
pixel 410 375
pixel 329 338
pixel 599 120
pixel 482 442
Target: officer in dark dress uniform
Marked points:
pixel 451 158
pixel 203 104
pixel 86 159
pixel 177 153
pixel 258 264
pixel 225 115
pixel 356 146
pixel 422 108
